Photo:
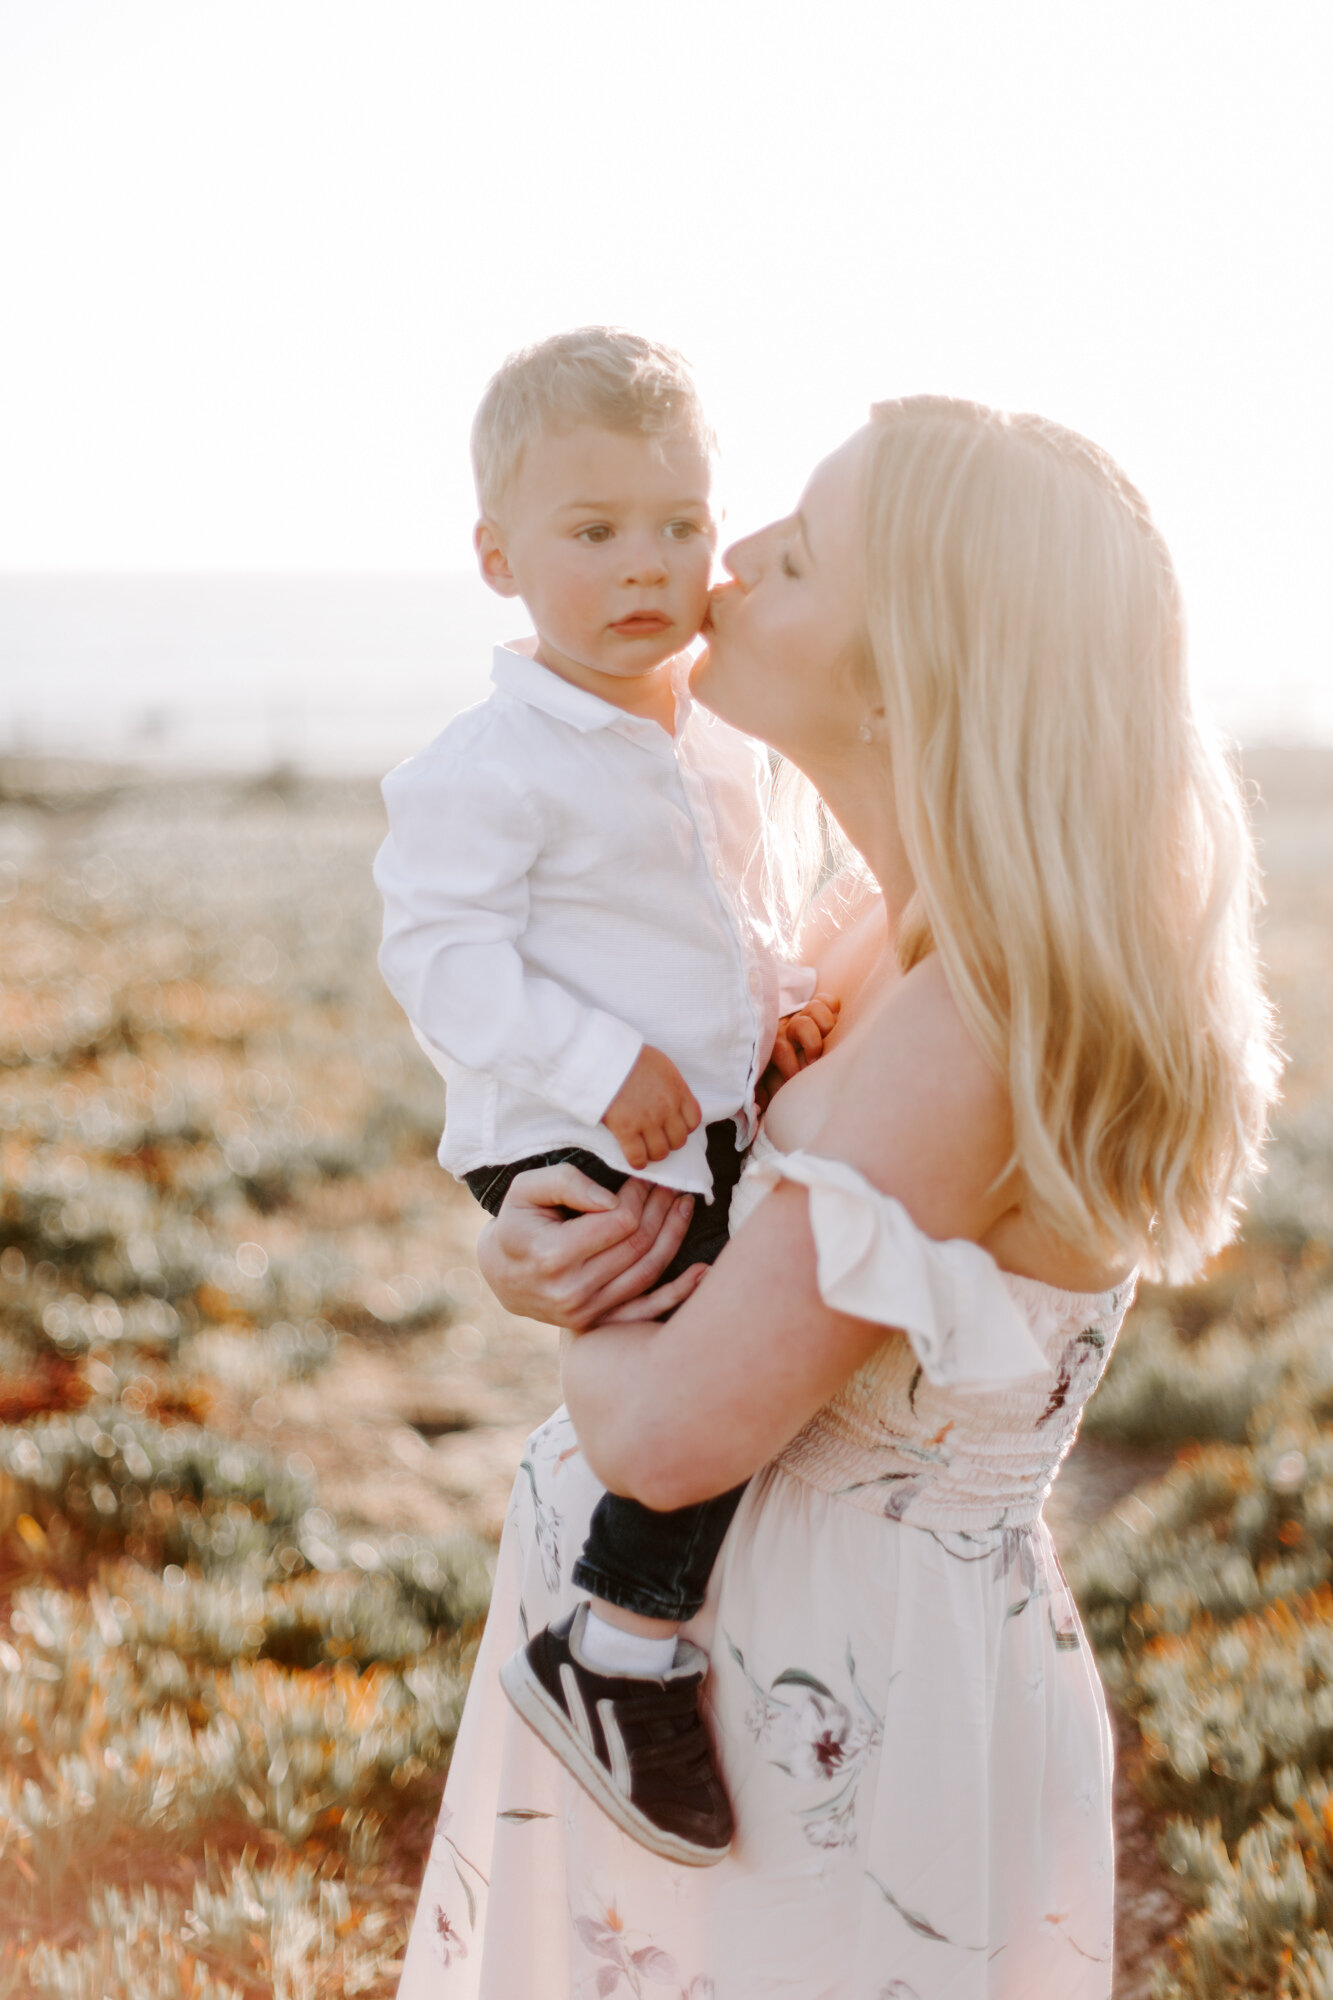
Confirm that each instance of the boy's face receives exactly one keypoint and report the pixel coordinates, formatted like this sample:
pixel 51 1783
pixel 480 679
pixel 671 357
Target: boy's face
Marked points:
pixel 608 538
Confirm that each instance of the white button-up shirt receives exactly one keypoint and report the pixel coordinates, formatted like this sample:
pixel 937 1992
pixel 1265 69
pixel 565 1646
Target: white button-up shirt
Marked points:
pixel 563 882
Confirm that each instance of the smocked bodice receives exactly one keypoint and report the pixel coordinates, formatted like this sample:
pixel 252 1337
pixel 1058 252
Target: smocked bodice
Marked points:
pixel 960 1419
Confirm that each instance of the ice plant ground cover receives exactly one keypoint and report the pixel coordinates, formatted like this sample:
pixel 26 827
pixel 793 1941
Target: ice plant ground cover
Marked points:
pixel 225 1711
pixel 257 1422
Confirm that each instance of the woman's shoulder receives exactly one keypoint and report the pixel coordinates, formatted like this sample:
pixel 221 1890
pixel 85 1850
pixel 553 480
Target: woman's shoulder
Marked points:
pixel 916 1028
pixel 913 1102
pixel 925 1116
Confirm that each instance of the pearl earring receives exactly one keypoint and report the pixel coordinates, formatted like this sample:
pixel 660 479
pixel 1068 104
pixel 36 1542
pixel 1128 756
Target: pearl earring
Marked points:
pixel 866 733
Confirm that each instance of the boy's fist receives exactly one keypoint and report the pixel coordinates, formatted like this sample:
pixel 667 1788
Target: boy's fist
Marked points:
pixel 800 1040
pixel 653 1112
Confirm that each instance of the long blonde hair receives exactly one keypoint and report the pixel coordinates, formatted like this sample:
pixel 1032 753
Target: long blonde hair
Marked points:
pixel 1082 860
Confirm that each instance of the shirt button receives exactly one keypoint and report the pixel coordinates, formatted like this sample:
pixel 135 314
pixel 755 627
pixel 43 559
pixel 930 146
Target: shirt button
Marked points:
pixel 720 869
pixel 754 982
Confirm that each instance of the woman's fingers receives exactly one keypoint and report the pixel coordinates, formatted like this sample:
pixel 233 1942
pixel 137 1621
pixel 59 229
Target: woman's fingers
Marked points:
pixel 533 1254
pixel 652 1305
pixel 537 1206
pixel 661 1219
pixel 561 1186
pixel 544 1264
pixel 666 1217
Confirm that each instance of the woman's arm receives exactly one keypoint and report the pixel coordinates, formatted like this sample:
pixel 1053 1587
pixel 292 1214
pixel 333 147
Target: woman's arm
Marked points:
pixel 672 1414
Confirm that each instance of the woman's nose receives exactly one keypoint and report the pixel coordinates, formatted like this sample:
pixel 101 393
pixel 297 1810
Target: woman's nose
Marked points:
pixel 738 560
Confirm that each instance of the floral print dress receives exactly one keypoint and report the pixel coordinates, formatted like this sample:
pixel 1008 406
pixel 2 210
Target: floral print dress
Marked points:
pixel 906 1712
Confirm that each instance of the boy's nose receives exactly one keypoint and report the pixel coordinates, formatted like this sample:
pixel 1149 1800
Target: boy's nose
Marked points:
pixel 645 564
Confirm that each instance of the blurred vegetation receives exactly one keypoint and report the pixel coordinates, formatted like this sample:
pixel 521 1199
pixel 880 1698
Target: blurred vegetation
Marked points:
pixel 224 1716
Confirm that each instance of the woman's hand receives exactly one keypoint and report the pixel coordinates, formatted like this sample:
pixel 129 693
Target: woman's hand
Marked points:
pixel 575 1271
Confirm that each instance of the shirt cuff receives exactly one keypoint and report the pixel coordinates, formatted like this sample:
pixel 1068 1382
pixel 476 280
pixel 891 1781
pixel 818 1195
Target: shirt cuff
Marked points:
pixel 796 986
pixel 601 1056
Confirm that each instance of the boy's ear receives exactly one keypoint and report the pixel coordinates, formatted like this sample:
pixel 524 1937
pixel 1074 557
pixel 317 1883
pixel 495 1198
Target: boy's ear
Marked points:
pixel 492 560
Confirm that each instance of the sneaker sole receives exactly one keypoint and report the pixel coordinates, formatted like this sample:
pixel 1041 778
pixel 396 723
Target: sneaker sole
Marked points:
pixel 548 1720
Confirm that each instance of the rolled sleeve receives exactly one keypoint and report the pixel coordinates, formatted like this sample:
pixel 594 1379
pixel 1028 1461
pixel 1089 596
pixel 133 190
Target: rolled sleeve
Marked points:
pixel 597 1062
pixel 453 873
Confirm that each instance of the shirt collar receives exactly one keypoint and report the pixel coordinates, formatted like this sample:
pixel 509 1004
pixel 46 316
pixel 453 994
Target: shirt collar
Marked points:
pixel 517 673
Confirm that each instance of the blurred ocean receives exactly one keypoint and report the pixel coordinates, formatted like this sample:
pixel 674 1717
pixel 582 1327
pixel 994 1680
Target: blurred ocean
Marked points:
pixel 326 672
pixel 329 673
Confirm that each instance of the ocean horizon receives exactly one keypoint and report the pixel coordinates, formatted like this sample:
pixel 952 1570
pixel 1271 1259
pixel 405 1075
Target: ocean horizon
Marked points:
pixel 324 672
pixel 337 672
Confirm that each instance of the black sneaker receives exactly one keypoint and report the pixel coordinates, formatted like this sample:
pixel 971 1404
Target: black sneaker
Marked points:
pixel 638 1745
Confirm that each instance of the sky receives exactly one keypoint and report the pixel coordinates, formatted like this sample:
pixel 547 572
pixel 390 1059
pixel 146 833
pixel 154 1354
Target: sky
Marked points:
pixel 257 262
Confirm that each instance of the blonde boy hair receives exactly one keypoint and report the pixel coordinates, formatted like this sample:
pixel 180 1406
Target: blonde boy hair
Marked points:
pixel 1082 859
pixel 594 375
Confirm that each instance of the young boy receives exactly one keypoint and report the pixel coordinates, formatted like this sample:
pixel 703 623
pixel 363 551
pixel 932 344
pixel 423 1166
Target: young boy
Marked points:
pixel 581 925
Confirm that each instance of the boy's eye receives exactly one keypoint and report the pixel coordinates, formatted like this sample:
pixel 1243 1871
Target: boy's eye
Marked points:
pixel 597 531
pixel 681 531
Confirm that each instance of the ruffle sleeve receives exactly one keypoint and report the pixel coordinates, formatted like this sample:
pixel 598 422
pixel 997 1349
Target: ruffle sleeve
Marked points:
pixel 950 1298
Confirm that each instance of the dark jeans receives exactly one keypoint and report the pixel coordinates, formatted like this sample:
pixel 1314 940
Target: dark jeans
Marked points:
pixel 655 1564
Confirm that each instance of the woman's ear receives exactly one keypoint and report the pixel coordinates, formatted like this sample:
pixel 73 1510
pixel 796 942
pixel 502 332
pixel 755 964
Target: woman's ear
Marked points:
pixel 492 560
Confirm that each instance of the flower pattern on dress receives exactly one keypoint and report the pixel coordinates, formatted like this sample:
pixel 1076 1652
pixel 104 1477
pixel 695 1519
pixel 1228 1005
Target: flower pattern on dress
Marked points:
pixel 925 1455
pixel 1026 1558
pixel 550 1449
pixel 814 1737
pixel 448 1944
pixel 1058 1920
pixel 919 1926
pixel 627 1968
pixel 446 1937
pixel 1080 1370
pixel 546 1527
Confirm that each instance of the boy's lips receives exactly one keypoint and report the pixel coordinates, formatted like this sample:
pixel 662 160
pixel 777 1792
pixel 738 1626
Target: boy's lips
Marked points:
pixel 641 622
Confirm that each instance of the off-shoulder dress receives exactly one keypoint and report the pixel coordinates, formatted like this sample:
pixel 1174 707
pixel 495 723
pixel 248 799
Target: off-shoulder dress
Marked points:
pixel 906 1711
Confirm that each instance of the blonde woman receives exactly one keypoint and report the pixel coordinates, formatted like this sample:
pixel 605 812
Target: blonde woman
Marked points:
pixel 1050 1072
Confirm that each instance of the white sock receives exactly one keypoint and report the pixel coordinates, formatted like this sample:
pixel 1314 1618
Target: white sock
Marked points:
pixel 609 1649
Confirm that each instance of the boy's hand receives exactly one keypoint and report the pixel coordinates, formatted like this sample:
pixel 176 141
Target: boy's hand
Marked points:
pixel 653 1112
pixel 800 1040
